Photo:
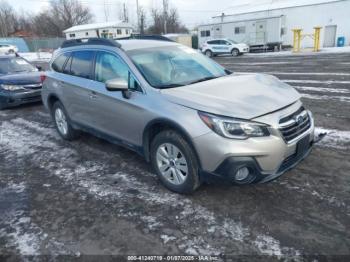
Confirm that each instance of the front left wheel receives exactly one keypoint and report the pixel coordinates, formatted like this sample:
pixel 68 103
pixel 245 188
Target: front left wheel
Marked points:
pixel 175 162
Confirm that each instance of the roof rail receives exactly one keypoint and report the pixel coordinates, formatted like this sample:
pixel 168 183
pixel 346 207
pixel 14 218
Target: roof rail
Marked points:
pixel 90 41
pixel 147 37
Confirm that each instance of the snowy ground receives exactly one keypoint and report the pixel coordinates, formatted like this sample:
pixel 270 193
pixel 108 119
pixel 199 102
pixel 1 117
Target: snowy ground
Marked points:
pixel 90 197
pixel 37 56
pixel 306 51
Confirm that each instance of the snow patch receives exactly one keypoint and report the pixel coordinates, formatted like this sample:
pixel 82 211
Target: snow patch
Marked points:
pixel 321 89
pixel 325 97
pixel 334 138
pixel 36 56
pixel 327 82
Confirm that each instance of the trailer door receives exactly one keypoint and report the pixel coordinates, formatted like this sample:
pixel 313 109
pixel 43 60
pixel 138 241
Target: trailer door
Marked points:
pixel 260 32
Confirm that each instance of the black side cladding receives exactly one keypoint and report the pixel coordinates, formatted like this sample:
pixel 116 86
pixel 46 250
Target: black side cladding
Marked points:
pixel 90 41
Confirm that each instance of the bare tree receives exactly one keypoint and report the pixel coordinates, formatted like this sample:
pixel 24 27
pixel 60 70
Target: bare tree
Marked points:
pixel 61 15
pixel 7 19
pixel 170 18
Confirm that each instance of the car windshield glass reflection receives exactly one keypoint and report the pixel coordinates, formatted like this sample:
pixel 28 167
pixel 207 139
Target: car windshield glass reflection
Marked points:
pixel 15 65
pixel 174 66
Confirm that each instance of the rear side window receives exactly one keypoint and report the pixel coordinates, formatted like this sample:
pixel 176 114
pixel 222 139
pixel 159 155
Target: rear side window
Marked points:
pixel 59 62
pixel 82 64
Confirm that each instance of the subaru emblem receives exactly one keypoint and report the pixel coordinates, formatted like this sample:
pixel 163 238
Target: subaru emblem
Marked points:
pixel 299 119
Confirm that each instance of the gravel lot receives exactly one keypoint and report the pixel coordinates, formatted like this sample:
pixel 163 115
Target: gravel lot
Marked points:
pixel 90 197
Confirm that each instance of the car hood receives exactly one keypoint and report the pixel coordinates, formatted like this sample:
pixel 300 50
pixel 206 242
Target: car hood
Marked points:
pixel 21 78
pixel 245 96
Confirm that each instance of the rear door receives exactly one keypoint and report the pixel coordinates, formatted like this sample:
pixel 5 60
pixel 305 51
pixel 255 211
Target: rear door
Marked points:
pixel 75 84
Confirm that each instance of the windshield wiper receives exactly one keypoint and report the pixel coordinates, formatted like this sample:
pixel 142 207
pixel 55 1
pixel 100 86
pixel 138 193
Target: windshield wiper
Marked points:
pixel 203 79
pixel 169 86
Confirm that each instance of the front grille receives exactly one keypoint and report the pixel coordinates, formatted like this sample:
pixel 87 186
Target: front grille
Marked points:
pixel 295 124
pixel 33 86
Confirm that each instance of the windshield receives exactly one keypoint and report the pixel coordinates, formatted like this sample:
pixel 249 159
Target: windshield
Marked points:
pixel 234 42
pixel 15 65
pixel 173 66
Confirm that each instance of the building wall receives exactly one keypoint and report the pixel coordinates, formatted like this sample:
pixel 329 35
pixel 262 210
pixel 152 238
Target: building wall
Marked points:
pixel 113 33
pixel 306 18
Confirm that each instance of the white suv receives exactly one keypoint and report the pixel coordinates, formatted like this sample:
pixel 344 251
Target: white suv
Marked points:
pixel 224 46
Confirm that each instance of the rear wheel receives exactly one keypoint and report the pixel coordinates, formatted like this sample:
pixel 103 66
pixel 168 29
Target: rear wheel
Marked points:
pixel 208 53
pixel 11 51
pixel 235 52
pixel 62 122
pixel 175 162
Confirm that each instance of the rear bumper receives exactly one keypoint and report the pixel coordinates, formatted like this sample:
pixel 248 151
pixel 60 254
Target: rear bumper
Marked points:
pixel 10 99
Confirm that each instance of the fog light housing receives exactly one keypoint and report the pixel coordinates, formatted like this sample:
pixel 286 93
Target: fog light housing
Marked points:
pixel 242 174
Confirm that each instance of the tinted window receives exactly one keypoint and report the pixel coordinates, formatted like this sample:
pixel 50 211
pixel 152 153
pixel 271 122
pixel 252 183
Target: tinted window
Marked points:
pixel 81 64
pixel 58 64
pixel 109 66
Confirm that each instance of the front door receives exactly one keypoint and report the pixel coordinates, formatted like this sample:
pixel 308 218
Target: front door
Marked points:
pixel 114 115
pixel 329 36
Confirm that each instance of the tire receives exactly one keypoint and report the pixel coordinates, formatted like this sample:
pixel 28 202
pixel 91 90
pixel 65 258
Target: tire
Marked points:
pixel 208 53
pixel 62 122
pixel 11 51
pixel 174 175
pixel 235 52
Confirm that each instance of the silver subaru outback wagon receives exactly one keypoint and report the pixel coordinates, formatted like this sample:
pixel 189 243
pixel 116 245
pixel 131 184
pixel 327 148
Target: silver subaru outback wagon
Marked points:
pixel 192 119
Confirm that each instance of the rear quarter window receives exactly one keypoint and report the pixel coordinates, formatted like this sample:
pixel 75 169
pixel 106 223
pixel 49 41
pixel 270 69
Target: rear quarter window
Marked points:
pixel 59 62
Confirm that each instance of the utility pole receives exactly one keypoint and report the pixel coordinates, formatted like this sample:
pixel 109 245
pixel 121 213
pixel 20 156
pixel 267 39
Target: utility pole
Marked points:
pixel 126 19
pixel 165 15
pixel 138 15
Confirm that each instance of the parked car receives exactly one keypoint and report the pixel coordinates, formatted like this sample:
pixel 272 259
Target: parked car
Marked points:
pixel 224 46
pixel 20 82
pixel 5 48
pixel 192 119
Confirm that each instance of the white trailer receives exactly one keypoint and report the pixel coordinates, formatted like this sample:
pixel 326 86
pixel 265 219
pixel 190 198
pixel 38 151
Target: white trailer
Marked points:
pixel 257 33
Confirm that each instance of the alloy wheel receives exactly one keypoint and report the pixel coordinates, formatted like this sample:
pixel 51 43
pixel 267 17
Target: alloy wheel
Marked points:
pixel 172 163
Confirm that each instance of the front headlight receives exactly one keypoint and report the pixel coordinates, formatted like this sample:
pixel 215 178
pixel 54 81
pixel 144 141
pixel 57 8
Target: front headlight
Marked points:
pixel 12 87
pixel 234 128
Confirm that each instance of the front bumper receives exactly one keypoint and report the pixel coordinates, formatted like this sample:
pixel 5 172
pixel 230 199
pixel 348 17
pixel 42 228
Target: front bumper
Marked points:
pixel 13 99
pixel 227 170
pixel 266 157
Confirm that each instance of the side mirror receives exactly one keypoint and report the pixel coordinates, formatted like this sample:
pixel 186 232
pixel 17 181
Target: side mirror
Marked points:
pixel 117 84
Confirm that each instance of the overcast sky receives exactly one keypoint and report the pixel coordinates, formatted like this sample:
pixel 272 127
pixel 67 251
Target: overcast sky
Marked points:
pixel 192 12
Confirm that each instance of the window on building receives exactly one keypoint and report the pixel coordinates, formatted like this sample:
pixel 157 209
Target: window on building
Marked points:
pixel 119 31
pixel 239 30
pixel 71 35
pixel 205 33
pixel 82 64
pixel 127 31
pixel 87 33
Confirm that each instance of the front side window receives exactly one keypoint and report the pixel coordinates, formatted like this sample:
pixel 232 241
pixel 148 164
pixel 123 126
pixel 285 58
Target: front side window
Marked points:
pixel 109 66
pixel 82 64
pixel 173 66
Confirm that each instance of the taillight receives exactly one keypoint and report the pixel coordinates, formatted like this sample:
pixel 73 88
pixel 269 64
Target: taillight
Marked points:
pixel 42 78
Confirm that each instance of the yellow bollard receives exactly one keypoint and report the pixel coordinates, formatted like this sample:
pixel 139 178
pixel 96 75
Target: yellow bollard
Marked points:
pixel 296 40
pixel 317 36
